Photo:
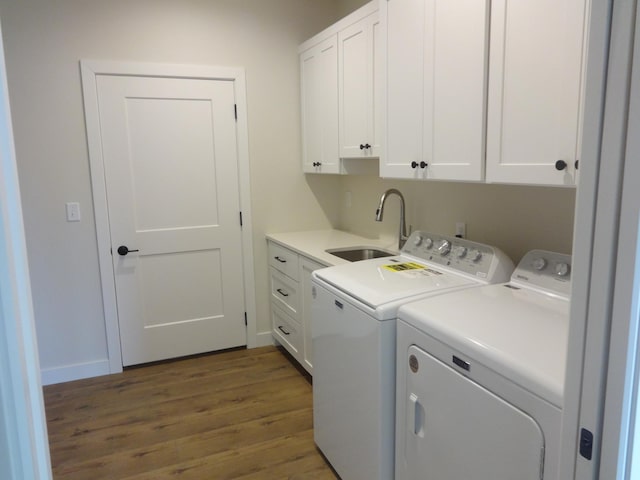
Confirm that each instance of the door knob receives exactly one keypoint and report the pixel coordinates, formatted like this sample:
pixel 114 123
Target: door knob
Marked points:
pixel 123 250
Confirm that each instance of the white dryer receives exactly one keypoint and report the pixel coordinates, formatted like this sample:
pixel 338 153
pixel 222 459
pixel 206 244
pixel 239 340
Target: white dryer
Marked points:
pixel 480 377
pixel 354 333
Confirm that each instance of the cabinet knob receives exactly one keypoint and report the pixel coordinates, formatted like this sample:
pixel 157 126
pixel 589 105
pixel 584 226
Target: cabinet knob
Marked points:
pixel 364 146
pixel 561 165
pixel 576 164
pixel 414 164
pixel 316 164
pixel 423 164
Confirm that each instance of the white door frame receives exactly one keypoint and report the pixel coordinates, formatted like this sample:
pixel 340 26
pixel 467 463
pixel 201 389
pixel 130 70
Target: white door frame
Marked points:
pixel 90 69
pixel 24 447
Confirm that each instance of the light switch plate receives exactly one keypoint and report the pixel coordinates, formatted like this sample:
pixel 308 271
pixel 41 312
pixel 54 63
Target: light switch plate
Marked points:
pixel 73 211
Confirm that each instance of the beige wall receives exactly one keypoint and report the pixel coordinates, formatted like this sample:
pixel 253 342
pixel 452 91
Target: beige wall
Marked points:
pixel 44 42
pixel 514 218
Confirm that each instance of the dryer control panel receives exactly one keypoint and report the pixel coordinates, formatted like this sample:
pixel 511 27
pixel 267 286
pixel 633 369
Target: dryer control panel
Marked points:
pixel 477 259
pixel 548 270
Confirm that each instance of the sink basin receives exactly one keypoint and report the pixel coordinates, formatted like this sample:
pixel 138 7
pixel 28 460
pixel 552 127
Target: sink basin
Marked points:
pixel 357 254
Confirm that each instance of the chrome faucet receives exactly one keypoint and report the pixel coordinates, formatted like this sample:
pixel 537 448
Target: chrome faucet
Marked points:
pixel 402 234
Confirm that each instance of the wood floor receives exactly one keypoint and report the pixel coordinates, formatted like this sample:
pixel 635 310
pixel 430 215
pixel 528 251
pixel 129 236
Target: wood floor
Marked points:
pixel 242 414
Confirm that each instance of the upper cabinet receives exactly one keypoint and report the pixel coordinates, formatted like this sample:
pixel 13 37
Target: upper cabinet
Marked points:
pixel 535 92
pixel 339 88
pixel 358 88
pixel 319 90
pixel 436 76
pixel 467 80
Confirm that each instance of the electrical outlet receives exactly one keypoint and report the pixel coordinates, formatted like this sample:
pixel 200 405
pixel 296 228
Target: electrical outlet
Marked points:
pixel 461 229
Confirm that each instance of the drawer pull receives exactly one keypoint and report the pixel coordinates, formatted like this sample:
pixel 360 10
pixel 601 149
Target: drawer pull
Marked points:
pixel 282 292
pixel 280 260
pixel 283 330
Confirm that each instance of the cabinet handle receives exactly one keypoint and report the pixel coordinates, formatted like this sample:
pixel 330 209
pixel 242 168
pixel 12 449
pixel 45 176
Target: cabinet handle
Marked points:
pixel 561 165
pixel 280 260
pixel 282 292
pixel 423 164
pixel 283 330
pixel 414 164
pixel 576 164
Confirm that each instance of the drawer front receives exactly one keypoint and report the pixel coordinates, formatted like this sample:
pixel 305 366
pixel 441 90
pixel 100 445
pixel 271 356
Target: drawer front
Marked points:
pixel 285 293
pixel 284 260
pixel 286 331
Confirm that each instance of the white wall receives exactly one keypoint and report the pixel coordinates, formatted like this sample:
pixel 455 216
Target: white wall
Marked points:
pixel 44 42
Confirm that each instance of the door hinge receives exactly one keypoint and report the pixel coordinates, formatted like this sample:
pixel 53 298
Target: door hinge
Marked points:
pixel 235 111
pixel 245 319
pixel 240 218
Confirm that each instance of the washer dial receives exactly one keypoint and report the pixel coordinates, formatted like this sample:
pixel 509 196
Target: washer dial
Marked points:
pixel 562 269
pixel 444 247
pixel 539 263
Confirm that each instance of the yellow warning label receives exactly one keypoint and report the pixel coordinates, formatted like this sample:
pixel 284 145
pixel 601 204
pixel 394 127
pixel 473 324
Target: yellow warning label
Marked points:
pixel 403 267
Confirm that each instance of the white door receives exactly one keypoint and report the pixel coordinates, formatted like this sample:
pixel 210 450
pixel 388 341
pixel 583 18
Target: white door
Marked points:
pixel 436 57
pixel 357 82
pixel 319 97
pixel 454 428
pixel 534 102
pixel 171 172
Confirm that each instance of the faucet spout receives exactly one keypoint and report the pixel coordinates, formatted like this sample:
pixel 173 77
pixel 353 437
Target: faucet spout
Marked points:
pixel 402 232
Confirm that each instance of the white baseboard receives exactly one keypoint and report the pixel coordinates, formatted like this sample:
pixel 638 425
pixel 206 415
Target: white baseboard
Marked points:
pixel 74 372
pixel 262 339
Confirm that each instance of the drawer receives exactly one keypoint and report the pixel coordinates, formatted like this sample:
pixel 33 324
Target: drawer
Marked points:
pixel 286 331
pixel 284 260
pixel 285 293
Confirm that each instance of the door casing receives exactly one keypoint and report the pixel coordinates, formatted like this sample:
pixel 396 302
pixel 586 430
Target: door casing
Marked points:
pixel 90 69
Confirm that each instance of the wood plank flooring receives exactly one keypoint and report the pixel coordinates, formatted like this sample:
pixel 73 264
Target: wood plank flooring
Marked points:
pixel 240 414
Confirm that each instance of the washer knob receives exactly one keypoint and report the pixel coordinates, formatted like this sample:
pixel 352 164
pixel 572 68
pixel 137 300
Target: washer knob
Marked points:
pixel 428 242
pixel 475 255
pixel 417 241
pixel 444 247
pixel 461 252
pixel 562 269
pixel 539 263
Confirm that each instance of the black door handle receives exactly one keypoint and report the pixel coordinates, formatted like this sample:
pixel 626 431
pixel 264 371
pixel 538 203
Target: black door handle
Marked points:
pixel 123 250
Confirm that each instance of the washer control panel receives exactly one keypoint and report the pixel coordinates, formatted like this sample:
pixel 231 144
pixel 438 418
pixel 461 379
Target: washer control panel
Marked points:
pixel 548 270
pixel 463 255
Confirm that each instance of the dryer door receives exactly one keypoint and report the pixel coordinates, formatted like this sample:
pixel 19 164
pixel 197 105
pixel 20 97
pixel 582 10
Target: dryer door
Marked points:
pixel 456 429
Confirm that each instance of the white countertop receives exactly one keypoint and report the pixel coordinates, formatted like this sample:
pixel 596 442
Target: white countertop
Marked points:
pixel 313 243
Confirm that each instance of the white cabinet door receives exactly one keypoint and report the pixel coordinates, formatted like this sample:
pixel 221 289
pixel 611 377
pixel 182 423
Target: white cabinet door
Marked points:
pixel 535 90
pixel 436 73
pixel 307 267
pixel 357 83
pixel 319 91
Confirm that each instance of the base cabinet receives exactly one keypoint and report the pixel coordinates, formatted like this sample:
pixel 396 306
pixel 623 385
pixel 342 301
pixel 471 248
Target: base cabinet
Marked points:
pixel 290 286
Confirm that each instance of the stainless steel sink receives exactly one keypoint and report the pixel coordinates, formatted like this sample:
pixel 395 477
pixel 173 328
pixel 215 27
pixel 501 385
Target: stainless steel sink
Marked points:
pixel 357 254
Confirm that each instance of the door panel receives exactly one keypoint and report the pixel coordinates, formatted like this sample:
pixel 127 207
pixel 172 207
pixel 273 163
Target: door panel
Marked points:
pixel 456 429
pixel 170 159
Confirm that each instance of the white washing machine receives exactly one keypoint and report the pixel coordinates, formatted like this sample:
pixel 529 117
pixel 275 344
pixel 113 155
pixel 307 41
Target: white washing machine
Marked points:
pixel 354 333
pixel 480 377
